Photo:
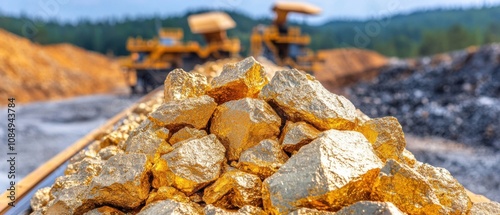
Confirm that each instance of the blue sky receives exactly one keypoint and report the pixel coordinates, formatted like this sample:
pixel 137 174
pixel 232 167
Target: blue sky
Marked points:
pixel 71 10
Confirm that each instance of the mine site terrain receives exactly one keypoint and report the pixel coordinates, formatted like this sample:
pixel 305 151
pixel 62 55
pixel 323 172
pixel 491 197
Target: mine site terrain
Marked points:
pixel 221 113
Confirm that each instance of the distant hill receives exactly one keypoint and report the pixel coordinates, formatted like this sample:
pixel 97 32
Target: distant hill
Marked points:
pixel 405 35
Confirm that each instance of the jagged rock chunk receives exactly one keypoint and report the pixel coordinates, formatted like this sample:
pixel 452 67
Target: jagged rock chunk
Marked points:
pixel 191 165
pixel 407 189
pixel 387 137
pixel 333 171
pixel 234 189
pixel 123 181
pixel 186 133
pixel 243 123
pixel 302 98
pixel 296 135
pixel 191 111
pixel 243 79
pixel 263 159
pixel 181 85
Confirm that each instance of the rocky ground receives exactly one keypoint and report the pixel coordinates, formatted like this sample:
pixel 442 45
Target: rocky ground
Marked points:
pixel 468 114
pixel 46 128
pixel 455 96
pixel 445 98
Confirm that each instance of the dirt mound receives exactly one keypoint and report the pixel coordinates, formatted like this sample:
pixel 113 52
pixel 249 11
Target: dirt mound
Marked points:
pixel 341 67
pixel 31 72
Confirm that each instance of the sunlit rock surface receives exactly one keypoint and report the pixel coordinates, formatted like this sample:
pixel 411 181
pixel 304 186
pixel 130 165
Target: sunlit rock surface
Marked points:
pixel 264 159
pixel 243 123
pixel 234 189
pixel 186 133
pixel 296 135
pixel 171 207
pixel 180 85
pixel 368 207
pixel 243 79
pixel 302 98
pixel 123 181
pixel 105 210
pixel 387 137
pixel 191 111
pixel 485 208
pixel 335 170
pixel 191 165
pixel 407 189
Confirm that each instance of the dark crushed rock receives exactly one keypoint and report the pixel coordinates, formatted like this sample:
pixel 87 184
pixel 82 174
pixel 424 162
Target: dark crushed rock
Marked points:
pixel 455 96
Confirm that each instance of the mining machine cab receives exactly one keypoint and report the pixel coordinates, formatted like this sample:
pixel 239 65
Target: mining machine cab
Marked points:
pixel 151 60
pixel 283 44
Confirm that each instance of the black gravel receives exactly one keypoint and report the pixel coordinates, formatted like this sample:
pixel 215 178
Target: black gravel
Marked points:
pixel 455 96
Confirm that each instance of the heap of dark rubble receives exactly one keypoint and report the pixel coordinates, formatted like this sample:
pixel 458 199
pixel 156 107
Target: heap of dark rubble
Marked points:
pixel 455 96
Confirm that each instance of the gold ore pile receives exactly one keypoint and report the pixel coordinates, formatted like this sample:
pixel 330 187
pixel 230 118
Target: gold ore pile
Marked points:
pixel 243 144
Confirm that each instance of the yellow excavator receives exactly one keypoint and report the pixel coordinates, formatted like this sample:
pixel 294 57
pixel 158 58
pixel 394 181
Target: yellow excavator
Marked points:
pixel 151 60
pixel 284 45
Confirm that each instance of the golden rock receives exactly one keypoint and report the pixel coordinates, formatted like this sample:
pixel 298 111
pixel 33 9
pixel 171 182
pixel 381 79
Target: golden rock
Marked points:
pixel 104 210
pixel 147 142
pixel 70 193
pixel 387 137
pixel 161 176
pixel 302 98
pixel 164 193
pixel 243 79
pixel 407 189
pixel 476 198
pixel 408 158
pixel 448 190
pixel 192 111
pixel 143 127
pixel 234 189
pixel 296 135
pixel 485 208
pixel 123 181
pixel 245 210
pixel 162 149
pixel 180 85
pixel 361 117
pixel 243 123
pixel 333 171
pixel 171 207
pixel 109 152
pixel 263 159
pixel 187 133
pixel 113 139
pixel 251 210
pixel 40 199
pixel 85 169
pixel 192 164
pixel 83 154
pixel 310 211
pixel 69 196
pixel 369 207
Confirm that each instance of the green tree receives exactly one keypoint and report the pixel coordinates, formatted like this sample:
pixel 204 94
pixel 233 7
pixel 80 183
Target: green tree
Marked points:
pixel 433 42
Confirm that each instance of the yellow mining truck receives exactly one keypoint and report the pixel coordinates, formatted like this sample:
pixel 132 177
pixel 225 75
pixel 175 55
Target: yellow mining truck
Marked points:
pixel 284 45
pixel 151 60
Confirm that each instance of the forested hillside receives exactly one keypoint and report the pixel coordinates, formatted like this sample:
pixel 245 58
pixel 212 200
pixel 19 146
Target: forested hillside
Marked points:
pixel 409 35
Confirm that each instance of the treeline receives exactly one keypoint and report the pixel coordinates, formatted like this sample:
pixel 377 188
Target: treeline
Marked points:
pixel 410 35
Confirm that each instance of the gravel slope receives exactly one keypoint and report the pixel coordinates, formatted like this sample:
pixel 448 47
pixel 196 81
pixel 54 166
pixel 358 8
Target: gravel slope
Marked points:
pixel 44 129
